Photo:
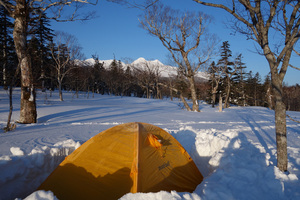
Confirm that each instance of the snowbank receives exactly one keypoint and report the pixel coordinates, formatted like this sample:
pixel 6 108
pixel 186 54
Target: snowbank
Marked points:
pixel 21 174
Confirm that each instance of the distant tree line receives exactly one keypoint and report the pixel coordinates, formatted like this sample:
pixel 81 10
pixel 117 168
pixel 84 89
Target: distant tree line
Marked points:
pixel 144 81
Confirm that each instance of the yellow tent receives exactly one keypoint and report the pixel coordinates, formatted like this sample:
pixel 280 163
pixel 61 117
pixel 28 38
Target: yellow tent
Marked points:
pixel 132 157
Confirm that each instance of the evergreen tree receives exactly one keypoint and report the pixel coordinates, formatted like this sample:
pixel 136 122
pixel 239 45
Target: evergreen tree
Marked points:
pixel 258 89
pixel 41 36
pixel 228 68
pixel 112 78
pixel 98 76
pixel 239 81
pixel 254 89
pixel 8 58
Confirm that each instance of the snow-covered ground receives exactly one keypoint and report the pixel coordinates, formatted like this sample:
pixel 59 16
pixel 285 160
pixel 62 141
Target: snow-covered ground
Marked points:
pixel 235 150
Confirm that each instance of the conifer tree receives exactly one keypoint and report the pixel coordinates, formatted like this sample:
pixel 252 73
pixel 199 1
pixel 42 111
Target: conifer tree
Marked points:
pixel 228 68
pixel 113 76
pixel 254 88
pixel 239 81
pixel 258 89
pixel 98 76
pixel 8 60
pixel 42 36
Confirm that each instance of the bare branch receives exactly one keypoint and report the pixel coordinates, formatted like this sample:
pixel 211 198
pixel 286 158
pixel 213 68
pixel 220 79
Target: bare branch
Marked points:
pixel 143 5
pixel 182 35
pixel 8 6
pixel 294 67
pixel 57 8
pixel 297 52
pixel 54 8
pixel 292 119
pixel 233 12
pixel 261 17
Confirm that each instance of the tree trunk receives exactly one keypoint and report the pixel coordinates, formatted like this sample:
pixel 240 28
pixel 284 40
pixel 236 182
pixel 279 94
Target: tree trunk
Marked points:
pixel 193 94
pixel 158 93
pixel 255 96
pixel 10 106
pixel 9 126
pixel 213 100
pixel 214 93
pixel 269 99
pixel 280 109
pixel 28 112
pixel 220 103
pixel 4 70
pixel 280 125
pixel 171 91
pixel 244 98
pixel 60 90
pixel 186 105
pixel 226 103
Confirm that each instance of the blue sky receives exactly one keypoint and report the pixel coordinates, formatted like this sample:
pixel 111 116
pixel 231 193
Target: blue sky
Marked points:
pixel 116 32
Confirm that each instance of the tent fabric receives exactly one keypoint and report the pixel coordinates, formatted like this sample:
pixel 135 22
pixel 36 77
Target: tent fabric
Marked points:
pixel 132 157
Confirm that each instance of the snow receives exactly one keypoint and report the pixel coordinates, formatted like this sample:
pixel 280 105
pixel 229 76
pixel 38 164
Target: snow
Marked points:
pixel 235 149
pixel 16 151
pixel 154 65
pixel 41 195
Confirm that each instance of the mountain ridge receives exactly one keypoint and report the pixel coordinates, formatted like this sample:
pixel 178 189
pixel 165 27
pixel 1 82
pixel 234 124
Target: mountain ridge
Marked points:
pixel 150 65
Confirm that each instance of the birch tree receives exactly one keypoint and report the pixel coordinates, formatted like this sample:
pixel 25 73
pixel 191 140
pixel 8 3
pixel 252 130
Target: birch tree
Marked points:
pixel 20 11
pixel 215 72
pixel 185 36
pixel 260 20
pixel 64 52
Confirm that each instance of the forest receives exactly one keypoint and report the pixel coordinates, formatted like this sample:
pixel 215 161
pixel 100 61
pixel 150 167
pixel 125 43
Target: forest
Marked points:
pixel 58 63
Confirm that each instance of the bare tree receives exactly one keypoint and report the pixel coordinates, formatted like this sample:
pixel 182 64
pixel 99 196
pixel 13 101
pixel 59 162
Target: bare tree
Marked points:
pixel 215 72
pixel 148 78
pixel 64 52
pixel 258 20
pixel 20 10
pixel 185 37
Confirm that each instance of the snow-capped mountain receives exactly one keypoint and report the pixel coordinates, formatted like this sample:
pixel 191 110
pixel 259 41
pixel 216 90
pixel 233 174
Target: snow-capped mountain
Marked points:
pixel 154 66
pixel 149 65
pixel 106 63
pixel 144 61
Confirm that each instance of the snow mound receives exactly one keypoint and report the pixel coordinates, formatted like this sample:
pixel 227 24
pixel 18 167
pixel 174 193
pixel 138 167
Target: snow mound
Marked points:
pixel 41 195
pixel 21 174
pixel 16 151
